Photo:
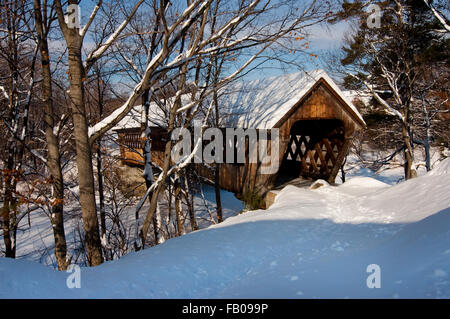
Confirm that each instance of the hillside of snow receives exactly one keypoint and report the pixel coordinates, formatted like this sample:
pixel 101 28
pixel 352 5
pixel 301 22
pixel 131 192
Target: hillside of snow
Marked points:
pixel 309 244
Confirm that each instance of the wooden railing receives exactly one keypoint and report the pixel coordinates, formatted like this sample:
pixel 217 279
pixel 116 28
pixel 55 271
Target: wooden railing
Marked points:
pixel 132 143
pixel 131 147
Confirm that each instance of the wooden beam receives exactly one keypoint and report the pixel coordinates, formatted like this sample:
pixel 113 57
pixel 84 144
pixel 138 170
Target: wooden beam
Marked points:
pixel 340 159
pixel 323 162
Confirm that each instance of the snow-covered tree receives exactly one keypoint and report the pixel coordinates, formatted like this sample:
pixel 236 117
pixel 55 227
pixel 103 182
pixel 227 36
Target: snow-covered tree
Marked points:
pixel 43 23
pixel 79 67
pixel 387 60
pixel 18 80
pixel 178 51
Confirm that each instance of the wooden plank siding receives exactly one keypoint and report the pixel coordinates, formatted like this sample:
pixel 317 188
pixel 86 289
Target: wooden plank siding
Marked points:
pixel 131 145
pixel 319 154
pixel 321 103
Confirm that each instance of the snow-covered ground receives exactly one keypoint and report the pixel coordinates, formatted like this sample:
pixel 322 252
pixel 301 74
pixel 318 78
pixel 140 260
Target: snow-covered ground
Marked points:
pixel 35 241
pixel 309 244
pixel 392 172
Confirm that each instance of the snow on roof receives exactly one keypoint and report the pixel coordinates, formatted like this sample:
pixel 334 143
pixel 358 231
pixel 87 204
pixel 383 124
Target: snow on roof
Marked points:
pixel 157 117
pixel 363 96
pixel 131 120
pixel 259 104
pixel 262 103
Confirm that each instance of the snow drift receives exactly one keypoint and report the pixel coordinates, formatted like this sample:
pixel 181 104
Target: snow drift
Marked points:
pixel 309 244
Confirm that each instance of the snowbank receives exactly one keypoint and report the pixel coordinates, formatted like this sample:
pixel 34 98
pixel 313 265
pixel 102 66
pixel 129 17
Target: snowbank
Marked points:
pixel 309 244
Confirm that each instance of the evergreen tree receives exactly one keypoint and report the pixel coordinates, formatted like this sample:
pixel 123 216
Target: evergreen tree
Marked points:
pixel 389 58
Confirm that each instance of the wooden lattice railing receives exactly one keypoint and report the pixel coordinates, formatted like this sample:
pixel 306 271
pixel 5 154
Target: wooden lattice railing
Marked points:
pixel 317 158
pixel 313 149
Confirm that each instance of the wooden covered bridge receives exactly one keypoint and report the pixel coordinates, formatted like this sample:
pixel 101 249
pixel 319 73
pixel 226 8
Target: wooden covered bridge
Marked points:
pixel 316 123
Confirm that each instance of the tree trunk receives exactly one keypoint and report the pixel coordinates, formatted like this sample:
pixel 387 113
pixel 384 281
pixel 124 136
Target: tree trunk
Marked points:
pixel 155 193
pixel 217 168
pixel 148 172
pixel 53 151
pixel 178 208
pixel 9 209
pixel 189 203
pixel 56 177
pixel 10 251
pixel 157 227
pixel 410 172
pixel 427 151
pixel 13 116
pixel 101 192
pixel 8 199
pixel 217 191
pixel 84 158
pixel 427 136
pixel 77 76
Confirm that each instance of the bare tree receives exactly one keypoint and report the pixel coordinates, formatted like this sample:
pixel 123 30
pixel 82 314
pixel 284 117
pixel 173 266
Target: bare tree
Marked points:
pixel 42 24
pixel 387 61
pixel 18 52
pixel 438 14
pixel 78 69
pixel 229 37
pixel 431 104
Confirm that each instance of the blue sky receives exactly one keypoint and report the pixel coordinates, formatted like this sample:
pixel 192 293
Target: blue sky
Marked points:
pixel 324 39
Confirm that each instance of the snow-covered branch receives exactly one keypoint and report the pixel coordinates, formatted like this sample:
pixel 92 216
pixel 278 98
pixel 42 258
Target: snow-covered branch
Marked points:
pixel 441 19
pixel 96 54
pixel 388 108
pixel 104 125
pixel 129 61
pixel 5 94
pixel 91 18
pixel 178 166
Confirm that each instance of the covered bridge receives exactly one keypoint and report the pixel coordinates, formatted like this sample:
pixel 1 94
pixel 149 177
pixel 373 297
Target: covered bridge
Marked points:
pixel 316 123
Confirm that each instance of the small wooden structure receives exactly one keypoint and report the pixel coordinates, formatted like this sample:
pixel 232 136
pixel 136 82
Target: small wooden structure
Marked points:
pixel 131 142
pixel 316 123
pixel 131 146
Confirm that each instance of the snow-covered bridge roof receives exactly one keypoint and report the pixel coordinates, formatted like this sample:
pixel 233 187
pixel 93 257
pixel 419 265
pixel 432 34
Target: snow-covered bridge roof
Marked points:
pixel 259 104
pixel 263 103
